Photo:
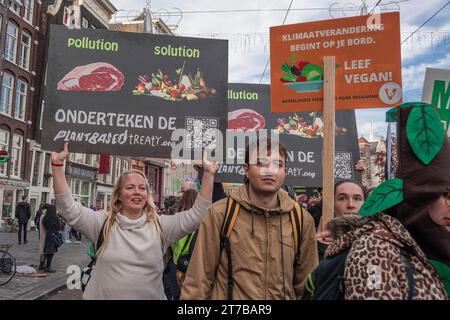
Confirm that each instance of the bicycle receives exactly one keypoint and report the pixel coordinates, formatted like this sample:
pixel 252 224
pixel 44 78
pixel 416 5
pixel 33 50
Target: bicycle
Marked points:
pixel 7 264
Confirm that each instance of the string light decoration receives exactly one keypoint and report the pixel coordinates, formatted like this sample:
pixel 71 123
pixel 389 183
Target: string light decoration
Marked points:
pixel 170 18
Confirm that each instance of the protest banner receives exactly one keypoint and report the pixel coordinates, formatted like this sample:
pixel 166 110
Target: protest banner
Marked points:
pixel 125 93
pixel 301 133
pixel 368 64
pixel 436 90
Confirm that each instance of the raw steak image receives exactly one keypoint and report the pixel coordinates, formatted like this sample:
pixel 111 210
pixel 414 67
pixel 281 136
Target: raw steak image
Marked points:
pixel 245 119
pixel 99 76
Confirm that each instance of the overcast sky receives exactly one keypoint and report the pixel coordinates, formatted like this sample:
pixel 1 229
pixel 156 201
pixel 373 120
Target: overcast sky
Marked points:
pixel 248 35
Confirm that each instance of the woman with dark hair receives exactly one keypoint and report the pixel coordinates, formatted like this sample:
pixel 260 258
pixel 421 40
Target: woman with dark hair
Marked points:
pixel 187 200
pixel 49 225
pixel 349 196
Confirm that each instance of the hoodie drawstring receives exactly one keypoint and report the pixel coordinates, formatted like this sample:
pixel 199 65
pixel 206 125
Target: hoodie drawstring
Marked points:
pixel 282 255
pixel 253 229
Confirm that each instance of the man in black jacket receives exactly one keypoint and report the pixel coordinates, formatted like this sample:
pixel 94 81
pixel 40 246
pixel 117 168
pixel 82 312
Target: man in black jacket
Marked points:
pixel 23 214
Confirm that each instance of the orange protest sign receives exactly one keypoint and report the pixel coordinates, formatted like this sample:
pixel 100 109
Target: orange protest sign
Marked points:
pixel 368 63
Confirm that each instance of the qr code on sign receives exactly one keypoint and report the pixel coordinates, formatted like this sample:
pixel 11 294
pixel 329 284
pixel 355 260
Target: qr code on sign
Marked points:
pixel 199 136
pixel 343 165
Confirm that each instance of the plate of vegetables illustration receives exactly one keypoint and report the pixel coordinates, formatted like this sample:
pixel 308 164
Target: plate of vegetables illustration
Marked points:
pixel 310 127
pixel 185 87
pixel 302 76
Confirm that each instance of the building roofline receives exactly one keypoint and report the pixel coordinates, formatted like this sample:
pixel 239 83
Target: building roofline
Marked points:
pixel 108 5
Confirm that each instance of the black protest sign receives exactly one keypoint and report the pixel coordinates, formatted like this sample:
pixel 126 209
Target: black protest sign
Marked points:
pixel 301 133
pixel 126 93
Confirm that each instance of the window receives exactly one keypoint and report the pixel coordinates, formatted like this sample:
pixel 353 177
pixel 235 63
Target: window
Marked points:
pixel 25 49
pixel 42 113
pixel 14 6
pixel 11 42
pixel 16 155
pixel 66 17
pixel 81 191
pixel 96 160
pixel 88 159
pixel 92 160
pixel 109 176
pixel 152 175
pixel 47 176
pixel 4 145
pixel 37 168
pixel 118 171
pixel 7 94
pixel 85 188
pixel 125 165
pixel 7 208
pixel 85 23
pixel 21 100
pixel 29 10
pixel 79 158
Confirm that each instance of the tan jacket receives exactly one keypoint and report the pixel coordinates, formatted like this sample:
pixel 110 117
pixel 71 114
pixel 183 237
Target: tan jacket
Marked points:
pixel 260 269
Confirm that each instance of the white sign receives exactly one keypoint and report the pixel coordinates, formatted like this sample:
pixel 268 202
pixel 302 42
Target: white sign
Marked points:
pixel 436 90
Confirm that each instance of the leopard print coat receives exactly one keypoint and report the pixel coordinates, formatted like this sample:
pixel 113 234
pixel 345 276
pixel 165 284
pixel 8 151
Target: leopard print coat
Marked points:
pixel 374 270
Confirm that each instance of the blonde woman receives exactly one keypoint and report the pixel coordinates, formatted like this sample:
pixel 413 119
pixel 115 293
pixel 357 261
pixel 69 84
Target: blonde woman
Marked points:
pixel 130 261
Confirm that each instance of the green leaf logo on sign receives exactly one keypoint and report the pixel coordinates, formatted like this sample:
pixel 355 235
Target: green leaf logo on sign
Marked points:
pixel 385 196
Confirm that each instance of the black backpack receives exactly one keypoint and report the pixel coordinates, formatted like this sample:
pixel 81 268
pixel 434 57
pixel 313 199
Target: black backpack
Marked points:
pixel 326 282
pixel 185 257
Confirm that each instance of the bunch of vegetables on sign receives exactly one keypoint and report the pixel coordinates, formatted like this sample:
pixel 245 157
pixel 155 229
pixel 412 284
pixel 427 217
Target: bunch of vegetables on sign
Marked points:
pixel 299 126
pixel 302 75
pixel 187 87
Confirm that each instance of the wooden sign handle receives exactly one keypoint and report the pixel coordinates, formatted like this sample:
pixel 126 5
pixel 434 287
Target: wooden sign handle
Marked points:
pixel 329 89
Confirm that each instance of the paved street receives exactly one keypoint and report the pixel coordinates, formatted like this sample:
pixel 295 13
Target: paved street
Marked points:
pixel 65 294
pixel 21 287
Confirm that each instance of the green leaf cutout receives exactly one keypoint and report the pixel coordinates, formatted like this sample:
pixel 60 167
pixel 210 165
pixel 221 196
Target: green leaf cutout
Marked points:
pixel 385 196
pixel 413 104
pixel 391 115
pixel 425 133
